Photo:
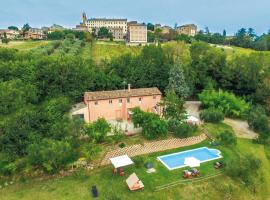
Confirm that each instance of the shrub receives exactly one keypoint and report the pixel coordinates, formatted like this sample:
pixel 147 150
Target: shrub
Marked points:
pixel 98 130
pixel 139 161
pixel 153 126
pixel 228 103
pixel 91 151
pixel 181 129
pixel 212 115
pixel 122 145
pixel 51 155
pixel 227 138
pixel 258 121
pixel 244 168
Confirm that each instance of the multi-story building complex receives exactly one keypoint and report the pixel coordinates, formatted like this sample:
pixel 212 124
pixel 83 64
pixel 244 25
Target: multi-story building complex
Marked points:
pixel 188 29
pixel 34 33
pixel 117 104
pixel 137 33
pixel 97 23
pixel 165 29
pixel 10 34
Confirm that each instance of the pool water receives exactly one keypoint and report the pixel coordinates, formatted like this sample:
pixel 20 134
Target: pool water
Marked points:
pixel 176 160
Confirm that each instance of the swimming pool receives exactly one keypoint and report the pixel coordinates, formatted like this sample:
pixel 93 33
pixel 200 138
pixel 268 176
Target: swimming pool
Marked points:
pixel 176 160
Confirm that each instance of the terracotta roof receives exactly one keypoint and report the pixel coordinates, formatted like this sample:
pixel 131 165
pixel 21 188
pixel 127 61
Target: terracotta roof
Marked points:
pixel 114 94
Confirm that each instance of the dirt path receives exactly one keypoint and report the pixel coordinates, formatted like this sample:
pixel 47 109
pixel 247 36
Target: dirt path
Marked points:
pixel 241 128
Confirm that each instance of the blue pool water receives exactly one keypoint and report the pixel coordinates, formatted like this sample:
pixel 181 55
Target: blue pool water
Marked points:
pixel 176 160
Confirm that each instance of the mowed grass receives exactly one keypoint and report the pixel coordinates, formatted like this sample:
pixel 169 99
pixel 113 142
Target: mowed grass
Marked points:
pixel 77 186
pixel 25 45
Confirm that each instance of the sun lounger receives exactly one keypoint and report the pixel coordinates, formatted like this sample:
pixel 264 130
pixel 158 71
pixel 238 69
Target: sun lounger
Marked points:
pixel 134 182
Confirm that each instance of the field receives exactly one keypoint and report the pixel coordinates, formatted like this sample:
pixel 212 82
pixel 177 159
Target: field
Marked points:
pixel 111 186
pixel 25 45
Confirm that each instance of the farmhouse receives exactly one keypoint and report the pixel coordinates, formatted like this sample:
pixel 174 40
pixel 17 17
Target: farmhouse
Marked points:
pixel 117 104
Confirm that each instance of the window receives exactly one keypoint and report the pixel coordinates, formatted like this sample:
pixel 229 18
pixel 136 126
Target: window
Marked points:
pixel 110 101
pixel 128 100
pixel 154 97
pixel 140 99
pixel 96 102
pixel 120 100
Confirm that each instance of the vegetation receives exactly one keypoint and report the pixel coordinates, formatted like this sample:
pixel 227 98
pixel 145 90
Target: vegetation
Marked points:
pixel 227 138
pixel 226 102
pixel 212 115
pixel 153 126
pixel 98 130
pixel 223 186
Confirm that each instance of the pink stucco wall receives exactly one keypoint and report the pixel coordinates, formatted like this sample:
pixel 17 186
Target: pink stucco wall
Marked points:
pixel 116 110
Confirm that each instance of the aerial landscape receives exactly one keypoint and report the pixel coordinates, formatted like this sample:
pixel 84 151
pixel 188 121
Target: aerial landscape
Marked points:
pixel 123 100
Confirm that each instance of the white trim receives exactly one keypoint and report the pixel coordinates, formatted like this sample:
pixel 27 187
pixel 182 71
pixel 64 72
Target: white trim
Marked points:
pixel 182 166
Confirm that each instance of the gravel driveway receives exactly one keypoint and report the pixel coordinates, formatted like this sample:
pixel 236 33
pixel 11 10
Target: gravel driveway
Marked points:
pixel 240 127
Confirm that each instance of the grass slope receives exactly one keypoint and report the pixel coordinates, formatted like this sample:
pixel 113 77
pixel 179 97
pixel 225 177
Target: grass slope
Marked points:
pixel 25 45
pixel 77 186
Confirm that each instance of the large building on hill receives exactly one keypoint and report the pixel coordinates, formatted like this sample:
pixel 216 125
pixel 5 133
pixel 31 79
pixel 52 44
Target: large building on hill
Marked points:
pixel 188 29
pixel 97 23
pixel 117 104
pixel 9 34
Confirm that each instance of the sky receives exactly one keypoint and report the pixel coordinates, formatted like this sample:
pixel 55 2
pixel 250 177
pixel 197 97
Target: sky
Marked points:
pixel 217 15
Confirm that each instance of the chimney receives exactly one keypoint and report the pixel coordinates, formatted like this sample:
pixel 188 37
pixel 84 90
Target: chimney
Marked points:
pixel 129 87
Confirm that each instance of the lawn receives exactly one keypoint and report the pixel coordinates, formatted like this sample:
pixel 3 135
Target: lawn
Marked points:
pixel 110 185
pixel 25 45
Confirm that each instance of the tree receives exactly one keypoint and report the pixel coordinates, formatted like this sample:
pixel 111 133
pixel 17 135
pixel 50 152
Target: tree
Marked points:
pixel 25 28
pixel 98 130
pixel 224 34
pixel 227 138
pixel 15 28
pixel 150 27
pixel 51 155
pixel 173 106
pixel 177 80
pixel 5 40
pixel 153 126
pixel 103 32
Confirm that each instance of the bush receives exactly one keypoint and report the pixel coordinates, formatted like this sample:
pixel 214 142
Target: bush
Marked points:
pixel 227 138
pixel 122 145
pixel 98 130
pixel 181 129
pixel 212 115
pixel 258 120
pixel 228 103
pixel 51 155
pixel 91 151
pixel 139 161
pixel 244 168
pixel 153 126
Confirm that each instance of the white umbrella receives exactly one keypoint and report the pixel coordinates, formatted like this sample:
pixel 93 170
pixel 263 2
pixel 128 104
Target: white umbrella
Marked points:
pixel 192 162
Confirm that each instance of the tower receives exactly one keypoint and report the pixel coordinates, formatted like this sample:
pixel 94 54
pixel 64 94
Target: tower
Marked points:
pixel 84 18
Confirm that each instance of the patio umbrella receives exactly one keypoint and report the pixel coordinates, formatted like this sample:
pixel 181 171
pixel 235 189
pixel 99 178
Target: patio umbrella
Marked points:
pixel 192 162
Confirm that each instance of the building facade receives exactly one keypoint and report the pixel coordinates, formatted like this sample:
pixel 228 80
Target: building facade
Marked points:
pixel 35 34
pixel 188 29
pixel 137 33
pixel 10 34
pixel 117 104
pixel 97 23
